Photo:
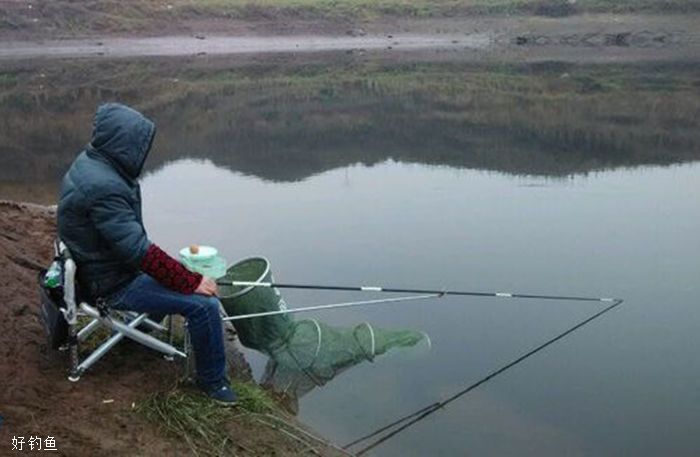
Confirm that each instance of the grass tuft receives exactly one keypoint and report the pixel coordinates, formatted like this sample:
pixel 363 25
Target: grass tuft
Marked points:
pixel 253 398
pixel 201 422
pixel 193 417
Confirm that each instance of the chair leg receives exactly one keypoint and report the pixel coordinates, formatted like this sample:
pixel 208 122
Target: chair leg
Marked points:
pixel 131 332
pixel 171 338
pixel 189 365
pixel 98 353
pixel 86 331
pixel 75 372
pixel 151 324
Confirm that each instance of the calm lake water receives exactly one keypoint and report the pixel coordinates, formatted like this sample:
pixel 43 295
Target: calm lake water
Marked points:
pixel 548 178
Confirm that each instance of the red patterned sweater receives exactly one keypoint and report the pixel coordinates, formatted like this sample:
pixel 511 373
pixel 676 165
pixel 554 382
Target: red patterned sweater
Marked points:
pixel 168 271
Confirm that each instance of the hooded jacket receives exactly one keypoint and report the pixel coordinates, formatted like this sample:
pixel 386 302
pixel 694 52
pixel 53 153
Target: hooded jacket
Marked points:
pixel 99 209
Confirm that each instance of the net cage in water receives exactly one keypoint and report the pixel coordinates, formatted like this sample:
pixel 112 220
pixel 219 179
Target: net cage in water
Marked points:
pixel 309 346
pixel 322 351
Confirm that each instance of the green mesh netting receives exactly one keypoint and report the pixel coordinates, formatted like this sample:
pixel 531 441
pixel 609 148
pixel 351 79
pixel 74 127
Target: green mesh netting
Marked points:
pixel 303 353
pixel 322 351
pixel 314 353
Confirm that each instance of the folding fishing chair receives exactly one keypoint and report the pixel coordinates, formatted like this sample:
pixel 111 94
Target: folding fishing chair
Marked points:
pixel 120 323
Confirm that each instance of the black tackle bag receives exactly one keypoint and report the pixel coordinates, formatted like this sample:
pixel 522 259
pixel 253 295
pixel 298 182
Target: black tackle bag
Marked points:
pixel 52 318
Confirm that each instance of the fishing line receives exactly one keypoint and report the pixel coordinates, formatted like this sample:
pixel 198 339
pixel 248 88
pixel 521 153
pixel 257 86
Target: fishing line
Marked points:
pixel 331 306
pixel 424 412
pixel 390 425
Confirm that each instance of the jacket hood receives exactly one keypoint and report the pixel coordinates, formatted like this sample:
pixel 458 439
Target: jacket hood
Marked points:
pixel 123 136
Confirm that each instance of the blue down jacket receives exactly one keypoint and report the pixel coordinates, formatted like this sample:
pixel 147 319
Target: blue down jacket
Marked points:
pixel 99 208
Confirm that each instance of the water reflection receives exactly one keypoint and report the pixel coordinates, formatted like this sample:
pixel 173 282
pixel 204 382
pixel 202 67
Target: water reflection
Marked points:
pixel 286 122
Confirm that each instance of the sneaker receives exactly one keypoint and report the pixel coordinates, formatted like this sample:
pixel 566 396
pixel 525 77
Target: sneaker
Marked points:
pixel 223 395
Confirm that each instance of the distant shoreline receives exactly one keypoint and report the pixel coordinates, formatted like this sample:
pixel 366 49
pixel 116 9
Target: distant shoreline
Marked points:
pixel 226 45
pixel 586 38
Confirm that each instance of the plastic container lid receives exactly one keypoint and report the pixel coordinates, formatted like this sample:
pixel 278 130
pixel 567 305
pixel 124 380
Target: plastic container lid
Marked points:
pixel 205 253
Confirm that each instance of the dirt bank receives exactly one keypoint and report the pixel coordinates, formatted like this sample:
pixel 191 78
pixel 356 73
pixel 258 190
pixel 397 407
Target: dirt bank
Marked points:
pixel 94 416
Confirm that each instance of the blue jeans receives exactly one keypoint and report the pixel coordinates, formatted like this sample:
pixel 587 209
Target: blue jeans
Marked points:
pixel 145 295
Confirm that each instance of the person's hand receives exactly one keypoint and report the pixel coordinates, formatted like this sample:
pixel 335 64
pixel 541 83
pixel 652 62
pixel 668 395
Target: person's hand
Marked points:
pixel 207 287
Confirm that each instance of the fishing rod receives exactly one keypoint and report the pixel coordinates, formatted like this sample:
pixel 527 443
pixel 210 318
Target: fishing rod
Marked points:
pixel 394 428
pixel 409 291
pixel 331 306
pixel 411 419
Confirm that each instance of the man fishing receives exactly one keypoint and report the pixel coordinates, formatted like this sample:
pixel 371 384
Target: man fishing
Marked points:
pixel 99 219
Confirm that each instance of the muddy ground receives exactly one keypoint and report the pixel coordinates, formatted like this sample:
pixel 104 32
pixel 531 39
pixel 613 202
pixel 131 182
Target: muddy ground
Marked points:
pixel 94 416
